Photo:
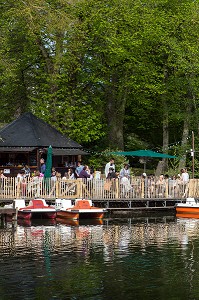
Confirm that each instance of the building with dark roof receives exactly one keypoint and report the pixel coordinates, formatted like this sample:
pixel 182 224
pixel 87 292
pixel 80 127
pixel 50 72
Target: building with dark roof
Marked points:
pixel 26 140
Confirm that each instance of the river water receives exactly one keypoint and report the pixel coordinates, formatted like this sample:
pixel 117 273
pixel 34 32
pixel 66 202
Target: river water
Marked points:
pixel 127 258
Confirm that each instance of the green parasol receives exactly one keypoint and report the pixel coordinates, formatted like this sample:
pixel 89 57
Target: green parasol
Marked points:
pixel 143 153
pixel 48 170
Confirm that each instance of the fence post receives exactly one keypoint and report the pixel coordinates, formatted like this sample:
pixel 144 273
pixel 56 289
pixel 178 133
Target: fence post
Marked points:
pixel 57 188
pixel 166 188
pixel 79 188
pixel 18 188
pixel 142 188
pixel 117 189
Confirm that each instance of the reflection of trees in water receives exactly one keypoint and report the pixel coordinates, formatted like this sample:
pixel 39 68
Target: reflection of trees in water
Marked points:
pixel 80 259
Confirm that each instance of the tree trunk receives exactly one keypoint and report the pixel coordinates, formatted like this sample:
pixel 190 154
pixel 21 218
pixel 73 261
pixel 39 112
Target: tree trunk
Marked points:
pixel 165 142
pixel 165 125
pixel 185 135
pixel 116 103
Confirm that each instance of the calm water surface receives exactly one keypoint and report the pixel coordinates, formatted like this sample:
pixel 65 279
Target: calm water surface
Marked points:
pixel 143 258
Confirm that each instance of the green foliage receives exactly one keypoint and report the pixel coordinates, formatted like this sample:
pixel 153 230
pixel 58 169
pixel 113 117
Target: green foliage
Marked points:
pixel 99 160
pixel 102 72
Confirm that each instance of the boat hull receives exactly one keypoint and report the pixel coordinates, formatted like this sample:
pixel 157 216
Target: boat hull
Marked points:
pixel 80 214
pixel 189 215
pixel 67 214
pixel 82 209
pixel 24 215
pixel 187 210
pixel 36 215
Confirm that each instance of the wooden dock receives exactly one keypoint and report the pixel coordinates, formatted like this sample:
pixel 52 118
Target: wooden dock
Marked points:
pixel 8 212
pixel 114 206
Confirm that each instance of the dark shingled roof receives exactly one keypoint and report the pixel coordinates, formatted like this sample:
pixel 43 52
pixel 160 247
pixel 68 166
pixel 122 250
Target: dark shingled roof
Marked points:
pixel 30 131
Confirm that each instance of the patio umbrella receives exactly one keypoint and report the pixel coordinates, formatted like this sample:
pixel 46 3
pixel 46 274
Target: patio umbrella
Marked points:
pixel 143 153
pixel 47 173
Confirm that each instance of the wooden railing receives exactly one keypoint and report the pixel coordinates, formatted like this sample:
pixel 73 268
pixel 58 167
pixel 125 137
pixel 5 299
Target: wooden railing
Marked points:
pixel 12 188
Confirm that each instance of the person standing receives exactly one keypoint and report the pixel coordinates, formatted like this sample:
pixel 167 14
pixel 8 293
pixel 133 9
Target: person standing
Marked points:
pixel 110 164
pixel 42 166
pixel 85 173
pixel 185 181
pixel 2 179
pixel 69 174
pixel 78 169
pixel 125 180
pixel 125 171
pixel 26 169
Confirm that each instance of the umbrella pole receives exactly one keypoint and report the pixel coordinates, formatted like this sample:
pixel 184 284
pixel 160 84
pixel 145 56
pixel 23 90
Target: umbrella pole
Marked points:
pixel 144 167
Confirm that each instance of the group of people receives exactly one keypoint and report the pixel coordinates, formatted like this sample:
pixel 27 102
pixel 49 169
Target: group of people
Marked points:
pixel 152 186
pixel 110 171
pixel 123 175
pixel 81 171
pixel 173 185
pixel 148 186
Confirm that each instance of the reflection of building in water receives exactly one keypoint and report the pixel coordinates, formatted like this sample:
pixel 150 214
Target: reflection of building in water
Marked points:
pixel 32 238
pixel 111 239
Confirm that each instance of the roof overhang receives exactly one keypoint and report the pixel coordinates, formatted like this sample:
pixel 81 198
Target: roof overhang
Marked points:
pixel 60 151
pixel 55 151
pixel 17 149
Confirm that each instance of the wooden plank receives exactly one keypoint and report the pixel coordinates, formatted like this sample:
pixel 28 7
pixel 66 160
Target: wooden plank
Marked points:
pixel 7 210
pixel 140 208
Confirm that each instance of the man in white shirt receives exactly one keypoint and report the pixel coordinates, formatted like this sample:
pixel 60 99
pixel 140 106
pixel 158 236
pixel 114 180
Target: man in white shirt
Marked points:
pixel 185 181
pixel 108 165
pixel 185 176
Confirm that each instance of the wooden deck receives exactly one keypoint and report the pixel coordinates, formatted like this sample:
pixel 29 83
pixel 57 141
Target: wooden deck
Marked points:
pixel 114 206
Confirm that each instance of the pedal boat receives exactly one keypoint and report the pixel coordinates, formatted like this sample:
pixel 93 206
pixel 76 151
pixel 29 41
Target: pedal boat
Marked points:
pixel 37 208
pixel 189 209
pixel 82 209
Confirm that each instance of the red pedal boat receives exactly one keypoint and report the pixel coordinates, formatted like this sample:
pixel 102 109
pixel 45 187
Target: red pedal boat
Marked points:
pixel 37 208
pixel 81 209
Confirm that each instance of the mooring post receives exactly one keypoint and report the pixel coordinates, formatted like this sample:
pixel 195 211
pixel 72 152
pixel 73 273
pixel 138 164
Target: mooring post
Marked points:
pixel 15 214
pixel 107 204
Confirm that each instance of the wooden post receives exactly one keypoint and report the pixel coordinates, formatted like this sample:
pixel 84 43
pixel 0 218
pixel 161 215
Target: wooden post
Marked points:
pixel 166 188
pixel 18 188
pixel 57 189
pixel 142 188
pixel 192 154
pixel 117 189
pixel 79 188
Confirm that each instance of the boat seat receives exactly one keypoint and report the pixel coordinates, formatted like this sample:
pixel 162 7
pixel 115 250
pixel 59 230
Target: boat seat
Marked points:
pixel 37 203
pixel 82 204
pixel 66 203
pixel 58 203
pixel 191 200
pixel 19 203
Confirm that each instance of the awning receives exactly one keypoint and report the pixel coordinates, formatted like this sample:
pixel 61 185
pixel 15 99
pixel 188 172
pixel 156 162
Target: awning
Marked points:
pixel 17 149
pixel 59 151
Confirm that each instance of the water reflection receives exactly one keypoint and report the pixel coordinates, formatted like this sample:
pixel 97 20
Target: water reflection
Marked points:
pixel 150 258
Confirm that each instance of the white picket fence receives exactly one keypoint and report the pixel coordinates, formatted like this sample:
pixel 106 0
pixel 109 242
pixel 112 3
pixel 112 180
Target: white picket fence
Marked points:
pixel 136 188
